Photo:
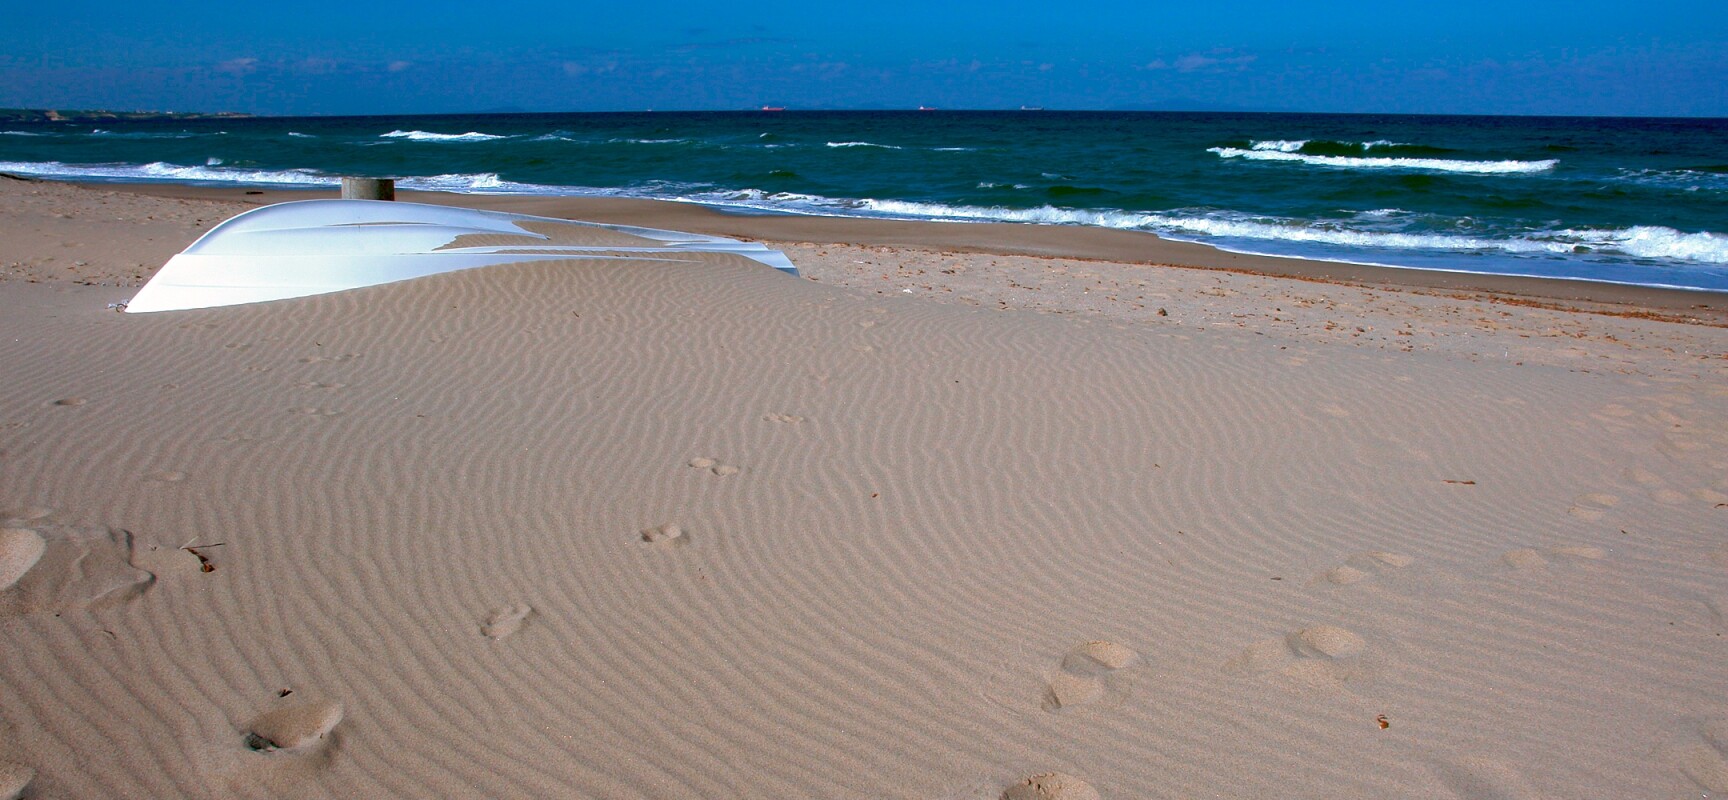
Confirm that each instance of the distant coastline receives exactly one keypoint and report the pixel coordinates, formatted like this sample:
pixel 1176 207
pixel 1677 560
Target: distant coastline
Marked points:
pixel 57 115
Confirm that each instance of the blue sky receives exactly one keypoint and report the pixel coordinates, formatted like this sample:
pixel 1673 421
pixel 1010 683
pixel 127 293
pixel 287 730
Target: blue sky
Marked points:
pixel 435 56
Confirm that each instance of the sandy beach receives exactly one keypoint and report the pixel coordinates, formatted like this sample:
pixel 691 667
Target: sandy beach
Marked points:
pixel 964 512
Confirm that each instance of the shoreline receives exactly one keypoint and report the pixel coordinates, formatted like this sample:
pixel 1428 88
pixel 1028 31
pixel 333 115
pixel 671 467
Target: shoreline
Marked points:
pixel 1016 239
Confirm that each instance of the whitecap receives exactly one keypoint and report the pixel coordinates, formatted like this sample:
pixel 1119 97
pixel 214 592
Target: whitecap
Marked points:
pixel 1684 179
pixel 1651 241
pixel 428 136
pixel 1352 162
pixel 164 171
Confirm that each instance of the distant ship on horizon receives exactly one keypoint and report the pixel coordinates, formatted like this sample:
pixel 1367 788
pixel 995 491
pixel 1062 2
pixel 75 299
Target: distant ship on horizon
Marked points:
pixel 773 108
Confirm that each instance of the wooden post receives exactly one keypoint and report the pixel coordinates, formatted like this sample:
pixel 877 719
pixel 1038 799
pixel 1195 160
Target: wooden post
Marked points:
pixel 368 189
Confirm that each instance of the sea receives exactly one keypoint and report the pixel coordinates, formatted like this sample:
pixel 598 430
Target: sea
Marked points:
pixel 1636 201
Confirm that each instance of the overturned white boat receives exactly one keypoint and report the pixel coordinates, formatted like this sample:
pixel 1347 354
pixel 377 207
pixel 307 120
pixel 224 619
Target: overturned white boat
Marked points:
pixel 313 247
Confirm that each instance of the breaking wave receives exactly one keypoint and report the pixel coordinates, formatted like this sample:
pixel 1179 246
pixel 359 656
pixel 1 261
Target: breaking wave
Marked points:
pixel 1292 151
pixel 164 171
pixel 1642 241
pixel 428 136
pixel 1689 180
pixel 865 144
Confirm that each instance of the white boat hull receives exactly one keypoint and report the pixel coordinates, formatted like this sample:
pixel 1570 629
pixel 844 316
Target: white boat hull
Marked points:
pixel 314 247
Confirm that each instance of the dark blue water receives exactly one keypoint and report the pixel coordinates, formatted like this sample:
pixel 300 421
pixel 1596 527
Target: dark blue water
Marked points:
pixel 1630 200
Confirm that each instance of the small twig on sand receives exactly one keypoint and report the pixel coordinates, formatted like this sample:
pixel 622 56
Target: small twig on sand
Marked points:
pixel 203 560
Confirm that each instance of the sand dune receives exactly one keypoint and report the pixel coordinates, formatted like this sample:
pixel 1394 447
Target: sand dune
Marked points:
pixel 700 529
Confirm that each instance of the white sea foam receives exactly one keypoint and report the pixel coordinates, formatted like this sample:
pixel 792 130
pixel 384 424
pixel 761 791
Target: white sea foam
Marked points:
pixel 299 135
pixel 476 183
pixel 1233 226
pixel 1046 215
pixel 865 144
pixel 1296 145
pixel 20 133
pixel 163 171
pixel 213 161
pixel 767 201
pixel 1690 180
pixel 151 134
pixel 1640 241
pixel 1353 162
pixel 428 136
pixel 1655 241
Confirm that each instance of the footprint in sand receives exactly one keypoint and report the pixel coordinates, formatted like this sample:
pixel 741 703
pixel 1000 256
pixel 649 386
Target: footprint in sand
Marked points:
pixel 1707 764
pixel 46 568
pixel 790 419
pixel 1532 558
pixel 319 385
pixel 1476 778
pixel 310 411
pixel 665 535
pixel 715 467
pixel 20 549
pixel 1705 494
pixel 1593 506
pixel 69 402
pixel 1051 786
pixel 1667 496
pixel 293 728
pixel 1718 608
pixel 1317 655
pixel 1363 566
pixel 1086 675
pixel 1643 477
pixel 1524 558
pixel 14 779
pixel 505 620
